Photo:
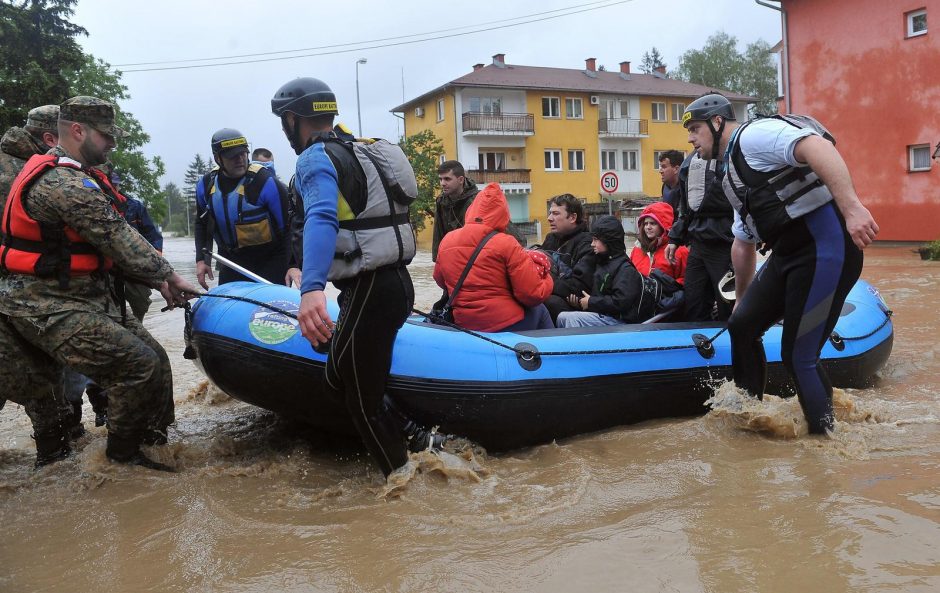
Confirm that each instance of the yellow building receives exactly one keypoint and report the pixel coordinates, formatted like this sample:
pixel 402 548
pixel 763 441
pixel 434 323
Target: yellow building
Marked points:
pixel 540 132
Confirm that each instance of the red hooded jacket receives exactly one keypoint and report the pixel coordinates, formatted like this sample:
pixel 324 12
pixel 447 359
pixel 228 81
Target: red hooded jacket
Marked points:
pixel 662 213
pixel 503 279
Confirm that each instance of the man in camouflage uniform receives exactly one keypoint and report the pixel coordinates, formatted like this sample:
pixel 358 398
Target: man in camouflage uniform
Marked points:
pixel 18 144
pixel 58 315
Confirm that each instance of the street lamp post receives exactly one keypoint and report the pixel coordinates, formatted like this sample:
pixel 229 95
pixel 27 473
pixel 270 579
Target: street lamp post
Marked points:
pixel 358 108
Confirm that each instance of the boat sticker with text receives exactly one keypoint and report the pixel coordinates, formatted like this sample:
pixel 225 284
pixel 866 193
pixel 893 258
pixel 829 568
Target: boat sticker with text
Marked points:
pixel 272 327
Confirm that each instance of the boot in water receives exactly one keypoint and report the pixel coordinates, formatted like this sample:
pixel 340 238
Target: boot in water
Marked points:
pixel 51 447
pixel 127 450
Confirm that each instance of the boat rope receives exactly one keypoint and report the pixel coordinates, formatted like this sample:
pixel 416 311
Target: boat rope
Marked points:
pixel 529 352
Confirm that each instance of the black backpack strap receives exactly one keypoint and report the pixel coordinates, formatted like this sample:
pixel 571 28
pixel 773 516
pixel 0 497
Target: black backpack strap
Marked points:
pixel 466 269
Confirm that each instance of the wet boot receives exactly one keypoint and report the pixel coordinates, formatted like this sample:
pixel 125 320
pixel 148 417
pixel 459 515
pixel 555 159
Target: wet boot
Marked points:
pixel 417 437
pixel 73 421
pixel 154 436
pixel 127 450
pixel 99 403
pixel 51 447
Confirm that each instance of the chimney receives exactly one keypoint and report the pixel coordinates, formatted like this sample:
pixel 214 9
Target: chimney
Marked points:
pixel 661 70
pixel 499 60
pixel 477 67
pixel 589 64
pixel 625 67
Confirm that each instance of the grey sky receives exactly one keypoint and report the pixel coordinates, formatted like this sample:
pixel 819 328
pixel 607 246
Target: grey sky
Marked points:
pixel 180 109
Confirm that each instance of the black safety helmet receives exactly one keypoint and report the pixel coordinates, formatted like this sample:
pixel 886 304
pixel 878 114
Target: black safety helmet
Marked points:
pixel 305 97
pixel 704 109
pixel 228 141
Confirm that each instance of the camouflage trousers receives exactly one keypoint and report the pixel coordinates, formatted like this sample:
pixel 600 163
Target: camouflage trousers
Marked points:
pixel 125 360
pixel 138 297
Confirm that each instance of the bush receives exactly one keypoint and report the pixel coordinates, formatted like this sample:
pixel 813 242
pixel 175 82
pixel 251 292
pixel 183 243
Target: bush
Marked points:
pixel 930 250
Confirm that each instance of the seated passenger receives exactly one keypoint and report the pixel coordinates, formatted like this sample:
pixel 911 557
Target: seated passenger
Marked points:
pixel 652 238
pixel 506 285
pixel 617 287
pixel 568 242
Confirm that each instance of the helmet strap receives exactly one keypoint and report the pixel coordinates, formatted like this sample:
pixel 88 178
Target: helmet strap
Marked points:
pixel 716 136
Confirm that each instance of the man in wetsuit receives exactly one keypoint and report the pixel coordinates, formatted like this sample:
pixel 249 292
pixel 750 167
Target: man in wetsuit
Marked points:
pixel 790 189
pixel 344 202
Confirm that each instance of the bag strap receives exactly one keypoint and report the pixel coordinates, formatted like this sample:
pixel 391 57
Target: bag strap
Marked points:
pixel 466 269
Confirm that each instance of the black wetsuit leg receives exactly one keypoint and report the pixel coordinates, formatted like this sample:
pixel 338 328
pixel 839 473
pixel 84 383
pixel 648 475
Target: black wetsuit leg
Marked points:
pixel 373 307
pixel 706 265
pixel 806 281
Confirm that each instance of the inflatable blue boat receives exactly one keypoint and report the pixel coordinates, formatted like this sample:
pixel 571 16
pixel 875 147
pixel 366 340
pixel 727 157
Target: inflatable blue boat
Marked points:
pixel 507 390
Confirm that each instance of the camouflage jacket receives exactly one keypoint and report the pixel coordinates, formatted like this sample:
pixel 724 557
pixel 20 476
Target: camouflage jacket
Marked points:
pixel 68 196
pixel 16 147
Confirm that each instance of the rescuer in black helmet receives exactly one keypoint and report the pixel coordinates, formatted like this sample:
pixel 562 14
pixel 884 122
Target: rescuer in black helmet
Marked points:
pixel 243 209
pixel 706 108
pixel 352 238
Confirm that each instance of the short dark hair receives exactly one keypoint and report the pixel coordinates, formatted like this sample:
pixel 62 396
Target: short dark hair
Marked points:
pixel 571 203
pixel 452 167
pixel 675 157
pixel 262 152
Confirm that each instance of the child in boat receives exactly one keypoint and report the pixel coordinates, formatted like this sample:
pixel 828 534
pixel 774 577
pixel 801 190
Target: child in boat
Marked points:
pixel 617 285
pixel 649 254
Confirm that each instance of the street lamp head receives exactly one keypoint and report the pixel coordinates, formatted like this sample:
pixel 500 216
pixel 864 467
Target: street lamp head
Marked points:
pixel 361 61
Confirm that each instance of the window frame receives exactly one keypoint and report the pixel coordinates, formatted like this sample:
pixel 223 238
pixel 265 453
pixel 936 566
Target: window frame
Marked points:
pixel 555 151
pixel 580 104
pixel 498 156
pixel 656 155
pixel 635 157
pixel 557 103
pixel 677 117
pixel 909 23
pixel 440 109
pixel 606 161
pixel 653 105
pixel 576 152
pixel 910 158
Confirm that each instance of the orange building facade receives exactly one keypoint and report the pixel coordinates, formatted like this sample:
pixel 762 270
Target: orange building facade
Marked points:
pixel 870 71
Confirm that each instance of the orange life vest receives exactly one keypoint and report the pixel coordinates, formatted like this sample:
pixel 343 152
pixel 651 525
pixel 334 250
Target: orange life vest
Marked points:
pixel 50 250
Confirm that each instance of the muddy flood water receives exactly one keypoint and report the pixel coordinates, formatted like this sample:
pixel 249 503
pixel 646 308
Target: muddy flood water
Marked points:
pixel 694 504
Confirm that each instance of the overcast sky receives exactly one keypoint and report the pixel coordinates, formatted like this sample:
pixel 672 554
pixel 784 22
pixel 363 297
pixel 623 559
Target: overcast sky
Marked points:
pixel 180 109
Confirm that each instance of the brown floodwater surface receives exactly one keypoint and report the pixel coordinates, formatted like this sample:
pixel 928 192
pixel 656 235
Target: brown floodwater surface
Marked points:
pixel 725 502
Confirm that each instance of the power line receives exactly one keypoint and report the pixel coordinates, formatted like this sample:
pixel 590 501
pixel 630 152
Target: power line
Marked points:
pixel 382 45
pixel 357 43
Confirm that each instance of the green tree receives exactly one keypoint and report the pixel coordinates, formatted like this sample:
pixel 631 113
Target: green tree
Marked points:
pixel 194 172
pixel 423 151
pixel 175 205
pixel 721 66
pixel 39 47
pixel 140 174
pixel 651 61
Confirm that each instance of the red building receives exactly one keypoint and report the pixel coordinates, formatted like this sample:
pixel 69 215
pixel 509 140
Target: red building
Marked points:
pixel 870 71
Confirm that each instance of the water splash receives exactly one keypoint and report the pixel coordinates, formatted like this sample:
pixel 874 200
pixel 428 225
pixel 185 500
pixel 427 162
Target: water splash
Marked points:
pixel 461 464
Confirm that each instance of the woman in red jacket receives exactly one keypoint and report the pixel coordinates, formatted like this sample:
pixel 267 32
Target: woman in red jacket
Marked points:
pixel 652 237
pixel 506 285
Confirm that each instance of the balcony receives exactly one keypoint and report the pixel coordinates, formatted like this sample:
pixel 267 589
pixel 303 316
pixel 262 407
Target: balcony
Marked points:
pixel 503 124
pixel 621 127
pixel 503 176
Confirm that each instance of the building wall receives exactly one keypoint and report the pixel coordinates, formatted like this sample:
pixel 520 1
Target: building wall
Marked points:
pixel 667 135
pixel 445 129
pixel 852 68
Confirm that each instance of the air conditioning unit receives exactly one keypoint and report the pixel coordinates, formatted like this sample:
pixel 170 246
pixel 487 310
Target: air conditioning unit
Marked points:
pixel 595 100
pixel 419 111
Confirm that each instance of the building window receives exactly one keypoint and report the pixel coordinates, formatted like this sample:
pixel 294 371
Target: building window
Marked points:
pixel 659 112
pixel 608 160
pixel 630 162
pixel 573 109
pixel 677 110
pixel 656 155
pixel 919 157
pixel 552 160
pixel 551 107
pixel 492 161
pixel 441 159
pixel 487 105
pixel 576 160
pixel 916 23
pixel 440 110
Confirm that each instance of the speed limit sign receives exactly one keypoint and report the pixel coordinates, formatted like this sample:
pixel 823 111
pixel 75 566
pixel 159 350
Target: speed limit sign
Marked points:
pixel 609 182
